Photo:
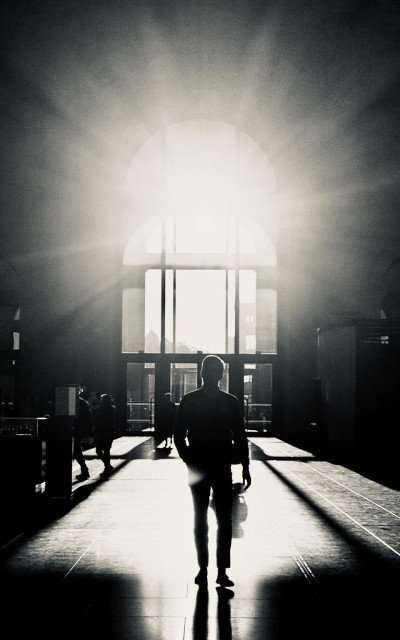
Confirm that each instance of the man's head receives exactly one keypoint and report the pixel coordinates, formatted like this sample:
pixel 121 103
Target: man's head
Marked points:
pixel 106 400
pixel 212 370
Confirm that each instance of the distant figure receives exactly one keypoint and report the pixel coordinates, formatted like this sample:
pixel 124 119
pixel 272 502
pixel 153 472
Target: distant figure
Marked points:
pixel 167 418
pixel 83 428
pixel 94 400
pixel 208 423
pixel 30 407
pixel 104 430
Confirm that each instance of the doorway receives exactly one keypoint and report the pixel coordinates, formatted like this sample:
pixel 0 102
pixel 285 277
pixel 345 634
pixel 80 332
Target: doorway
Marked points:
pixel 140 397
pixel 257 398
pixel 150 376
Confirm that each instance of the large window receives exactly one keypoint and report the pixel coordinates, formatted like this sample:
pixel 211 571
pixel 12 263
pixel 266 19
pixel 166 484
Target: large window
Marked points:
pixel 200 275
pixel 176 309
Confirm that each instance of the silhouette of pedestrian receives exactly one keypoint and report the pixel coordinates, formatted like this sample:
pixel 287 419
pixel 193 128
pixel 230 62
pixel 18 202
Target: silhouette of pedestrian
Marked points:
pixel 104 431
pixel 208 424
pixel 167 418
pixel 83 428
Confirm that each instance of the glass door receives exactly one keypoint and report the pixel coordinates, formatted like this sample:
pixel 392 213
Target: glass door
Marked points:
pixel 183 379
pixel 147 383
pixel 257 398
pixel 140 397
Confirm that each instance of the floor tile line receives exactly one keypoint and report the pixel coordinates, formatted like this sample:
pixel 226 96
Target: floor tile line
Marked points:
pixel 347 515
pixel 80 558
pixel 350 489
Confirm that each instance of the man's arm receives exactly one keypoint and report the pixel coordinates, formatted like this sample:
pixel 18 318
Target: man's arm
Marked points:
pixel 241 444
pixel 180 431
pixel 246 477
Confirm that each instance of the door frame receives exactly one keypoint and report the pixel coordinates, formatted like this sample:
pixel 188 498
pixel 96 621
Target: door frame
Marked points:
pixel 162 362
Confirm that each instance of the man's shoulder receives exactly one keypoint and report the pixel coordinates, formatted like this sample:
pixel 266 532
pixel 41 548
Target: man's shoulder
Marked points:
pixel 198 395
pixel 192 395
pixel 84 406
pixel 193 400
pixel 228 397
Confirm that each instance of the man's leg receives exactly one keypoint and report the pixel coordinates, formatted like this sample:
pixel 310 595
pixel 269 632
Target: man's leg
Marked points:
pixel 200 489
pixel 79 457
pixel 222 489
pixel 107 457
pixel 99 451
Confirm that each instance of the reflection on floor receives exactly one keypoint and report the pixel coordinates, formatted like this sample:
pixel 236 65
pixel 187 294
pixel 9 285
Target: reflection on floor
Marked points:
pixel 120 563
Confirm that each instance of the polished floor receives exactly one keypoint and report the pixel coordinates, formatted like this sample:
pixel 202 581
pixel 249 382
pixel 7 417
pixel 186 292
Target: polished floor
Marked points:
pixel 315 554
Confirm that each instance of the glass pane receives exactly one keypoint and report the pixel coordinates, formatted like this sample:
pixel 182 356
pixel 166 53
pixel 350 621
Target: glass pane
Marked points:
pixel 183 379
pixel 152 322
pixel 258 397
pixel 133 320
pixel 247 311
pixel 224 383
pixel 231 275
pixel 200 311
pixel 140 396
pixel 266 326
pixel 169 311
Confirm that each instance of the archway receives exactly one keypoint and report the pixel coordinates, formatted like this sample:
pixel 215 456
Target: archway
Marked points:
pixel 200 270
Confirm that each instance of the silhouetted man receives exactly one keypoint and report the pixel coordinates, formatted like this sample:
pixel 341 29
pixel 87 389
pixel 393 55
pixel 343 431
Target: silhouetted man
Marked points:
pixel 167 416
pixel 208 422
pixel 104 431
pixel 83 427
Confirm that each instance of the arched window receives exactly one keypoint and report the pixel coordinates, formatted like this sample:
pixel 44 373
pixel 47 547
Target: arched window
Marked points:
pixel 200 271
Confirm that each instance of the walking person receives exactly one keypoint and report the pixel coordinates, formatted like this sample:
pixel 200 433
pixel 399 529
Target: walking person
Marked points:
pixel 83 428
pixel 167 417
pixel 208 425
pixel 104 431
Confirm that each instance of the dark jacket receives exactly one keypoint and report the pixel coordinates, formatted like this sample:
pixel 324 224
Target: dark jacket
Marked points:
pixel 167 415
pixel 104 423
pixel 83 424
pixel 212 427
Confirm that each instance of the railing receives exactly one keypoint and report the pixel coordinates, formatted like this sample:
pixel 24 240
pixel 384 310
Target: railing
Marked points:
pixel 140 416
pixel 258 417
pixel 22 427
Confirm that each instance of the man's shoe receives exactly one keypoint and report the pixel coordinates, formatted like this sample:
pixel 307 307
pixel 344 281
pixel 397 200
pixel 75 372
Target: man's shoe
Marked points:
pixel 223 580
pixel 202 578
pixel 83 476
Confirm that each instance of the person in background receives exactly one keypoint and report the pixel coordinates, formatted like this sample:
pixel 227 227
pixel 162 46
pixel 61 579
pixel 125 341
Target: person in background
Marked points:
pixel 208 423
pixel 167 416
pixel 83 428
pixel 104 431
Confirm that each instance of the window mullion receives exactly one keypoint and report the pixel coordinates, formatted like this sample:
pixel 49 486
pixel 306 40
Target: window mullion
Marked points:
pixel 174 310
pixel 163 287
pixel 237 305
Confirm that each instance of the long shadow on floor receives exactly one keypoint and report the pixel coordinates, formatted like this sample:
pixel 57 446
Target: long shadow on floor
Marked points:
pixel 361 603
